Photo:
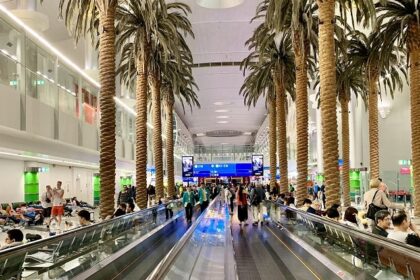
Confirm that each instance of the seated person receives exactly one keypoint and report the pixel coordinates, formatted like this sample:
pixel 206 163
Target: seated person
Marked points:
pixel 84 218
pixel 120 211
pixel 12 215
pixel 351 218
pixel 382 223
pixel 402 227
pixel 130 207
pixel 306 204
pixel 14 238
pixel 333 214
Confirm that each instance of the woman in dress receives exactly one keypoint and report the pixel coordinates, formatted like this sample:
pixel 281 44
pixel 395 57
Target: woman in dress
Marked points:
pixel 241 202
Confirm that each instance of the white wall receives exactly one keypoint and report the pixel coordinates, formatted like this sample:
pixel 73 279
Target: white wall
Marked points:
pixel 395 139
pixel 76 181
pixel 12 180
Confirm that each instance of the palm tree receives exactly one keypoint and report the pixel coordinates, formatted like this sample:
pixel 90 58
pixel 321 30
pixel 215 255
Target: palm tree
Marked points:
pixel 350 79
pixel 135 24
pixel 299 16
pixel 167 44
pixel 399 23
pixel 81 18
pixel 275 49
pixel 364 11
pixel 374 58
pixel 259 82
pixel 178 83
pixel 143 40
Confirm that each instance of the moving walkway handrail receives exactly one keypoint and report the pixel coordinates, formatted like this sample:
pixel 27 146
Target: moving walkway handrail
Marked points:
pixel 164 266
pixel 31 246
pixel 377 240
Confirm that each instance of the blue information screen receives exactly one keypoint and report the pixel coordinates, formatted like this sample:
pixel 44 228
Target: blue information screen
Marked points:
pixel 222 169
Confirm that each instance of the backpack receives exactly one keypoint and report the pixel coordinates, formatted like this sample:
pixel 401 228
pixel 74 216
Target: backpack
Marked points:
pixel 256 198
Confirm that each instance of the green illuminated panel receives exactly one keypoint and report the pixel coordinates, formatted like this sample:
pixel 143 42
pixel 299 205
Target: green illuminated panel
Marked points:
pixel 31 186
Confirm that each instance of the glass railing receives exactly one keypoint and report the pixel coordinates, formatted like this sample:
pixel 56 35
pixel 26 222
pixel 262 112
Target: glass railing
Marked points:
pixel 77 250
pixel 207 244
pixel 355 251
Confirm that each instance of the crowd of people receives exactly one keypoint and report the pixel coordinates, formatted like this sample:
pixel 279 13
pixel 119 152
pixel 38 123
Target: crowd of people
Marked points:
pixel 388 219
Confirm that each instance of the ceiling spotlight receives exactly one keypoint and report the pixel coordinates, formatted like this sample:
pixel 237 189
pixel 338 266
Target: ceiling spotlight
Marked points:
pixel 247 133
pixel 222 122
pixel 222 117
pixel 219 103
pixel 200 134
pixel 221 111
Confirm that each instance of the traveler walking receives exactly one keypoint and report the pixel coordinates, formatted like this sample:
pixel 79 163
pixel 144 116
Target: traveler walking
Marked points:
pixel 188 200
pixel 203 197
pixel 257 196
pixel 242 203
pixel 58 203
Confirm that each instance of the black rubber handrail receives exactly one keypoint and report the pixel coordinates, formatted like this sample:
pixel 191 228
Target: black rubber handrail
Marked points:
pixel 378 240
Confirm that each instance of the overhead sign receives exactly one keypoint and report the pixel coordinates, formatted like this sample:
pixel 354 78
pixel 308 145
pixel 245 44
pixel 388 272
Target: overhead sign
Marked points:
pixel 257 165
pixel 187 166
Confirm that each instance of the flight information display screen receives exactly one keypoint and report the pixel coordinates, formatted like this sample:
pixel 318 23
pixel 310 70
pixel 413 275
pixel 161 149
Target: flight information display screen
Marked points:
pixel 222 169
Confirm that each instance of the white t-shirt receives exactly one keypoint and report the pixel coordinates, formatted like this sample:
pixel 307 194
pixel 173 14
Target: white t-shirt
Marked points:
pixel 398 236
pixel 44 202
pixel 58 197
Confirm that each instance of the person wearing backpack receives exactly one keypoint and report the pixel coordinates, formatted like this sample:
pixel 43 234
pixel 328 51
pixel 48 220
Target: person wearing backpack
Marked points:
pixel 257 196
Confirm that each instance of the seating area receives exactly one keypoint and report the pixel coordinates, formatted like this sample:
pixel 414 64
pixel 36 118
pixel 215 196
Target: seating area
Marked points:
pixel 362 249
pixel 81 246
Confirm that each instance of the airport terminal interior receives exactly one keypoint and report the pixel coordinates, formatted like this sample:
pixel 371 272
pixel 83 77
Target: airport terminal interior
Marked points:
pixel 210 139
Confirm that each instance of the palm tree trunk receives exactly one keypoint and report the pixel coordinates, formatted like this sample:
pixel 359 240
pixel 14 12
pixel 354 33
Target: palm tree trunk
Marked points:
pixel 169 106
pixel 281 133
pixel 301 124
pixel 107 110
pixel 272 141
pixel 328 100
pixel 141 131
pixel 346 151
pixel 414 54
pixel 373 125
pixel 157 132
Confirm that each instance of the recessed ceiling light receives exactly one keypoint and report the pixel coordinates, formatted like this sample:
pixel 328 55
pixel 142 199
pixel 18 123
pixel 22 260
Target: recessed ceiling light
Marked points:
pixel 221 111
pixel 222 122
pixel 247 133
pixel 222 117
pixel 224 143
pixel 219 103
pixel 200 134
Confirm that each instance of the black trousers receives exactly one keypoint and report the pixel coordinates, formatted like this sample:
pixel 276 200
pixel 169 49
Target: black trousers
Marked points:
pixel 188 211
pixel 204 205
pixel 231 204
pixel 169 213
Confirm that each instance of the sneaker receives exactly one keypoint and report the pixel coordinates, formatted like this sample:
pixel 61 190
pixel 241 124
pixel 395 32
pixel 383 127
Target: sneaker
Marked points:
pixel 255 224
pixel 262 223
pixel 246 224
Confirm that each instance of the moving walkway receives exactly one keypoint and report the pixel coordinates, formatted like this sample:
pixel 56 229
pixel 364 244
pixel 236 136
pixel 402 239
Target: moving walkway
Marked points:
pixel 144 245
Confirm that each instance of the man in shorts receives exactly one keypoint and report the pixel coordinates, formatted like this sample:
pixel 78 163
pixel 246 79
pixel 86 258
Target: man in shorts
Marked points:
pixel 58 203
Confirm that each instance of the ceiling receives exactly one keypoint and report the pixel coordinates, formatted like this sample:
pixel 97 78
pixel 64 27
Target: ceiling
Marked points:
pixel 219 37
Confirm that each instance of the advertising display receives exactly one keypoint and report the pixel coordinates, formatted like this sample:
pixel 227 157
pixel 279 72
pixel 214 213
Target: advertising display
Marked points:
pixel 187 166
pixel 257 165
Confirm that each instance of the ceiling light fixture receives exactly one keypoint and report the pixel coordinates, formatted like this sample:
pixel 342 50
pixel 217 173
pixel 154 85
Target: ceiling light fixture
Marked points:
pixel 247 133
pixel 222 117
pixel 200 134
pixel 221 111
pixel 222 122
pixel 48 45
pixel 219 103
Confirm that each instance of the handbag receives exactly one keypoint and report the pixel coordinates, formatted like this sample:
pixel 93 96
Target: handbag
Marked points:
pixel 372 209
